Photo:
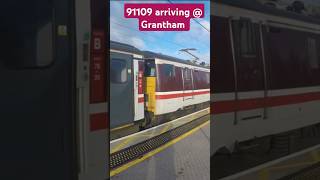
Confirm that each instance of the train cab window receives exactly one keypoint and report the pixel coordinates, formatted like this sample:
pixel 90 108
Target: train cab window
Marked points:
pixel 119 72
pixel 150 68
pixel 245 32
pixel 27 33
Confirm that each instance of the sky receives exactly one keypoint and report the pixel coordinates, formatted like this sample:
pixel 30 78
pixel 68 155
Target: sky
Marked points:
pixel 169 43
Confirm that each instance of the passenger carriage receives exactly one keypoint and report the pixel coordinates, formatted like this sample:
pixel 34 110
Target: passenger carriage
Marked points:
pixel 147 87
pixel 266 73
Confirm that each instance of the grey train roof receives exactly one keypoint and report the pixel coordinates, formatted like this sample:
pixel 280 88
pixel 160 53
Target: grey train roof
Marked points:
pixel 149 54
pixel 124 47
pixel 256 6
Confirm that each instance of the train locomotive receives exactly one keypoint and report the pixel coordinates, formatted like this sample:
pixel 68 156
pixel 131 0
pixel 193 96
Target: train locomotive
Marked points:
pixel 266 74
pixel 148 88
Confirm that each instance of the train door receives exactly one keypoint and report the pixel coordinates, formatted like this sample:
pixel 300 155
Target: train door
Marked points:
pixel 37 73
pixel 121 90
pixel 187 87
pixel 250 76
pixel 138 74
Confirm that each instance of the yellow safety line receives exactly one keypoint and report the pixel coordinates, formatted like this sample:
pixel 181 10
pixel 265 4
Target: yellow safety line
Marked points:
pixel 291 165
pixel 315 155
pixel 316 158
pixel 121 145
pixel 264 174
pixel 156 151
pixel 121 127
pixel 165 128
pixel 125 142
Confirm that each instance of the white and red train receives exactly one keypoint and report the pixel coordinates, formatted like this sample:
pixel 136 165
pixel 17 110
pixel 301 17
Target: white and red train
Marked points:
pixel 146 87
pixel 266 77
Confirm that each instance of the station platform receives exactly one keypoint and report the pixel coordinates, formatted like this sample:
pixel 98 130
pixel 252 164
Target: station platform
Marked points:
pixel 184 153
pixel 302 165
pixel 130 140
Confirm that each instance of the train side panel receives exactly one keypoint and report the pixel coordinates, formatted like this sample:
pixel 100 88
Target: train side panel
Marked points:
pixel 290 64
pixel 138 74
pixel 175 91
pixel 126 87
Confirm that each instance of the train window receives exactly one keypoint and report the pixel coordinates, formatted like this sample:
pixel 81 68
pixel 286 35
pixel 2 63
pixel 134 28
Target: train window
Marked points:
pixel 245 32
pixel 312 53
pixel 196 79
pixel 27 33
pixel 208 79
pixel 187 74
pixel 249 64
pixel 169 78
pixel 201 79
pixel 119 72
pixel 169 70
pixel 289 64
pixel 150 68
pixel 223 73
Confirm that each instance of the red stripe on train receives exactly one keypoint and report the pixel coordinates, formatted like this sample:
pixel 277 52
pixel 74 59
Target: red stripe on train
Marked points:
pixel 98 121
pixel 171 96
pixel 140 99
pixel 249 104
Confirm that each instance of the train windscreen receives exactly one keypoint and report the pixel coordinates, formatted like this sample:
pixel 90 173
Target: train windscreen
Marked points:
pixel 150 68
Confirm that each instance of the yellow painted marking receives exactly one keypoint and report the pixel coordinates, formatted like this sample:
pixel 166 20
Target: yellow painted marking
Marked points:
pixel 156 151
pixel 125 142
pixel 316 156
pixel 292 165
pixel 121 145
pixel 122 127
pixel 165 129
pixel 146 135
pixel 264 174
pixel 150 91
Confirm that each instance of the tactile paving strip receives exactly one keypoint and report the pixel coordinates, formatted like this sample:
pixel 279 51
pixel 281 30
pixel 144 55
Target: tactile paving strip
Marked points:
pixel 124 156
pixel 309 173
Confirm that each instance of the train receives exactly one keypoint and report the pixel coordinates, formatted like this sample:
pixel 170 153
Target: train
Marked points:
pixel 266 75
pixel 148 88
